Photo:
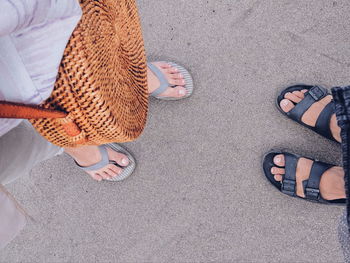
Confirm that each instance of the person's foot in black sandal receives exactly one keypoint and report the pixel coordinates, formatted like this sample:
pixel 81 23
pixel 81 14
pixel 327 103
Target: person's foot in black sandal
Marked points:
pixel 316 112
pixel 305 178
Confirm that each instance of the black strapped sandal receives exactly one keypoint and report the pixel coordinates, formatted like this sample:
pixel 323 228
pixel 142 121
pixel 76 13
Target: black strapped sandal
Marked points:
pixel 314 94
pixel 288 184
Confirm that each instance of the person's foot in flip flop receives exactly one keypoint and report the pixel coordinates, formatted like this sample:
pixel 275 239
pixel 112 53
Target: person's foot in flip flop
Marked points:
pixel 89 155
pixel 331 184
pixel 311 115
pixel 173 76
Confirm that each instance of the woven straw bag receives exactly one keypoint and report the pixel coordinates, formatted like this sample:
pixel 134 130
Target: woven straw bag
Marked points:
pixel 101 88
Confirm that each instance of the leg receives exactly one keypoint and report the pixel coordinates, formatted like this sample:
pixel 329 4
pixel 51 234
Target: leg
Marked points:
pixel 20 150
pixel 344 237
pixel 12 218
pixel 341 97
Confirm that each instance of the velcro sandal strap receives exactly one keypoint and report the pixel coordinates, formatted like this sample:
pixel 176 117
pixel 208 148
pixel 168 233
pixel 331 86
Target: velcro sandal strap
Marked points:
pixel 323 122
pixel 312 185
pixel 314 94
pixel 288 182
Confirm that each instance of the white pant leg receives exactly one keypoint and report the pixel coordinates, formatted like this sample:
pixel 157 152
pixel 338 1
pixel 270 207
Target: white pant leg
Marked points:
pixel 20 150
pixel 12 218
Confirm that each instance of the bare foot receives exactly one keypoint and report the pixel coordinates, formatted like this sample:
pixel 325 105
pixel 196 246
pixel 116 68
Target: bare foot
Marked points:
pixel 172 75
pixel 90 155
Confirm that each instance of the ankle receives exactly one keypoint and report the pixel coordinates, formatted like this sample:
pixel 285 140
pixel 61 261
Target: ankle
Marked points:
pixel 332 185
pixel 335 129
pixel 84 155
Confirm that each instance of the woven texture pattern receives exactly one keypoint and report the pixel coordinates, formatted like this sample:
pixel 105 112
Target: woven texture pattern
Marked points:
pixel 102 80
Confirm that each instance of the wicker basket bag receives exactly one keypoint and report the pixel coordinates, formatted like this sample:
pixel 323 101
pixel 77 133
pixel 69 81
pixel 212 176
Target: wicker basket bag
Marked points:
pixel 102 82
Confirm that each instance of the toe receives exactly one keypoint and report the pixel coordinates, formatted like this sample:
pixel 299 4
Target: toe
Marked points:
pixel 292 97
pixel 119 158
pixel 115 170
pixel 276 170
pixel 171 70
pixel 279 160
pixel 181 91
pixel 286 105
pixel 162 65
pixel 177 76
pixel 177 82
pixel 278 177
pixel 96 177
pixel 299 94
pixel 111 172
pixel 104 174
pixel 176 92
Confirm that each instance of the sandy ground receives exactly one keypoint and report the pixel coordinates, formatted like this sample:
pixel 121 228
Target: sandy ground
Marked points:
pixel 198 194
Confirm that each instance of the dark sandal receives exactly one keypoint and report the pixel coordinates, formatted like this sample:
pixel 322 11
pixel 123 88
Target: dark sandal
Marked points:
pixel 288 184
pixel 314 94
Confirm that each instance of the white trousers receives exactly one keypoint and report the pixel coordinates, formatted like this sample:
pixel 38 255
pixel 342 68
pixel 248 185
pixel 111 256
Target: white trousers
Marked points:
pixel 20 150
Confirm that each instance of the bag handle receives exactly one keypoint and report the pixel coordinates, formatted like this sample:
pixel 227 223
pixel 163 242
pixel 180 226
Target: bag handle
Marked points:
pixel 11 110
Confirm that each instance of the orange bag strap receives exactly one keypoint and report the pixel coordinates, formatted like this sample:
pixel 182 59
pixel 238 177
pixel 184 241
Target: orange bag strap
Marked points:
pixel 11 110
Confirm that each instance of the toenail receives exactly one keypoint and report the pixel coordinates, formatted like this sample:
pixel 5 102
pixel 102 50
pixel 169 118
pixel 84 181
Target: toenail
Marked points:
pixel 278 159
pixel 182 92
pixel 125 161
pixel 284 102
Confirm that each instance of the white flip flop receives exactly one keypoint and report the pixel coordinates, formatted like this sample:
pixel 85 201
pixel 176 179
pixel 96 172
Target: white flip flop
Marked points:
pixel 164 84
pixel 127 170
